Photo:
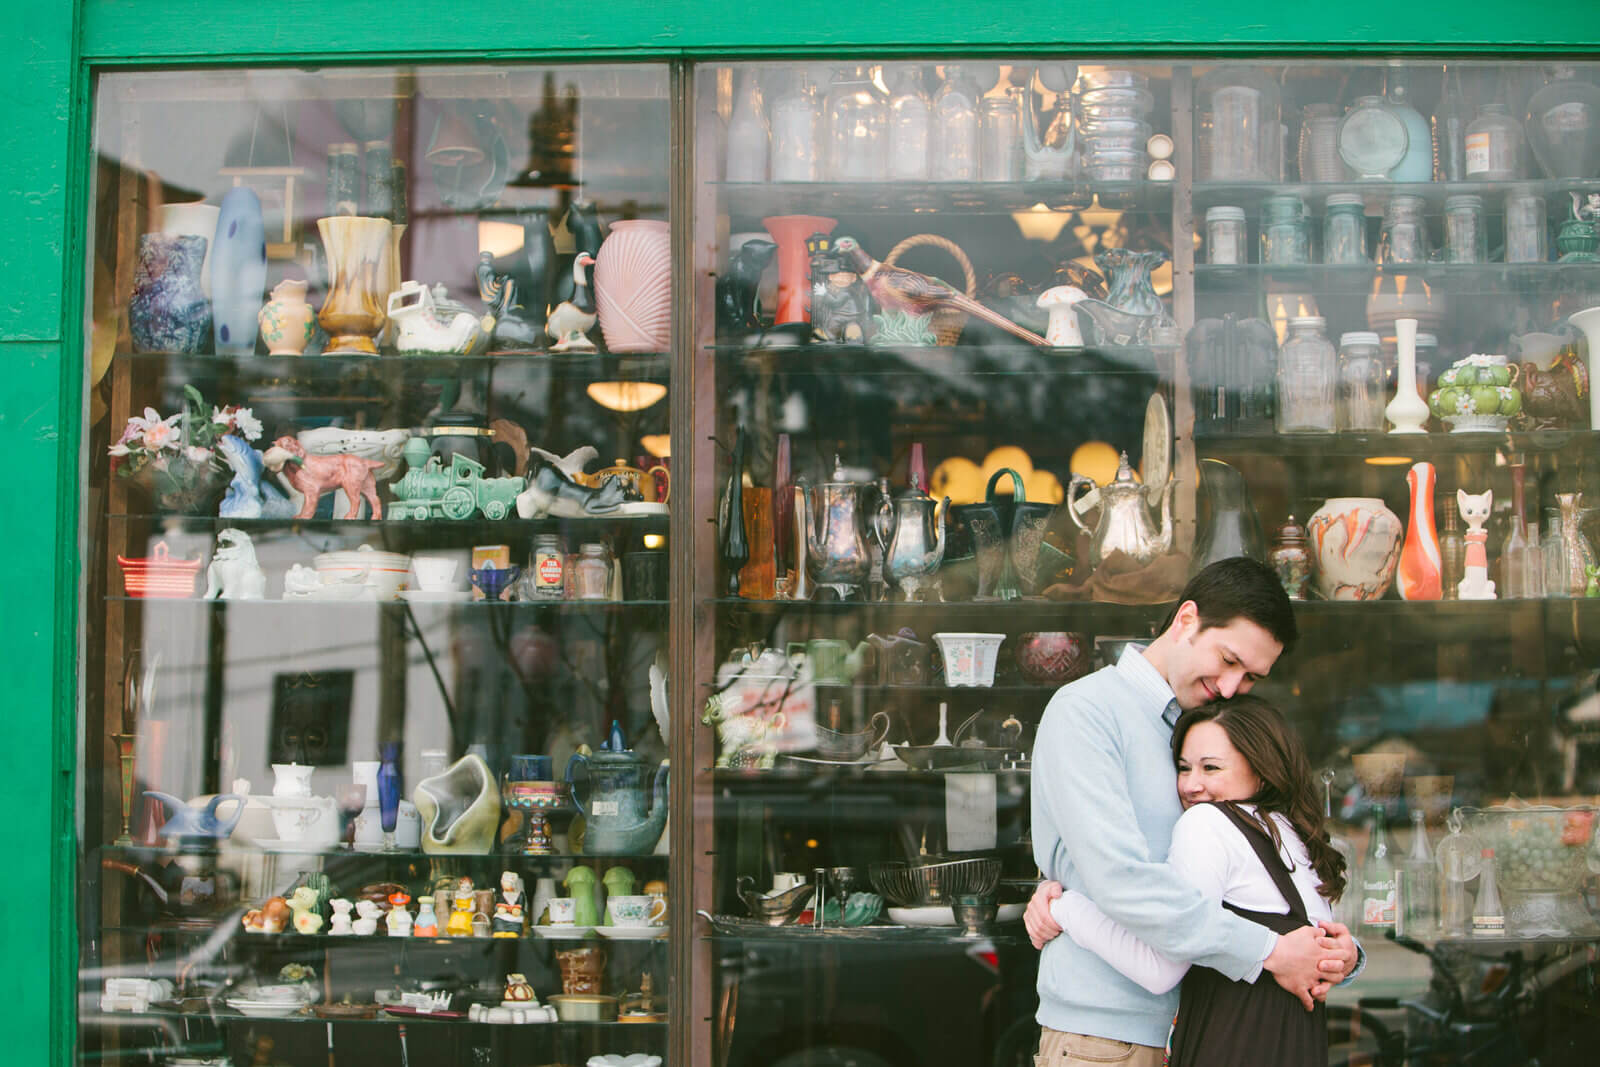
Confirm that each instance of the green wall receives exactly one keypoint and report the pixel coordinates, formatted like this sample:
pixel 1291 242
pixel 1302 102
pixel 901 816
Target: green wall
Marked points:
pixel 41 220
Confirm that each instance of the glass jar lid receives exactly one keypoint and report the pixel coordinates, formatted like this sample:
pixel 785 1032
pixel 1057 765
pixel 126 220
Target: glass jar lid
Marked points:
pixel 1344 200
pixel 1427 340
pixel 1307 322
pixel 593 548
pixel 1283 208
pixel 1358 337
pixel 1464 202
pixel 1223 213
pixel 1404 204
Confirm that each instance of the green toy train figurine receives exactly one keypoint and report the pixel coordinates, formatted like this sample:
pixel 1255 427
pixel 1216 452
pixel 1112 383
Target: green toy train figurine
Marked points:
pixel 429 490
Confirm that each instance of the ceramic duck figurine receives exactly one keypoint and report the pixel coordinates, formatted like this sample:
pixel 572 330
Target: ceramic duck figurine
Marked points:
pixel 572 320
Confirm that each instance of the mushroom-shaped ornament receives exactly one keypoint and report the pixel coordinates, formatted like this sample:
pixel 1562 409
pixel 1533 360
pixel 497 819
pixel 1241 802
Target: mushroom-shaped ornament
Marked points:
pixel 1061 303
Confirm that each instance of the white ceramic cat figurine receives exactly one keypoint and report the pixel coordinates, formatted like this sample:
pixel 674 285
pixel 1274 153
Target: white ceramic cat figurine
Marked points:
pixel 1475 583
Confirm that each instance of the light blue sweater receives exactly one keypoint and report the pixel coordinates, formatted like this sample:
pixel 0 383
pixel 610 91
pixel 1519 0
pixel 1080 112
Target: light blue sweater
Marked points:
pixel 1105 800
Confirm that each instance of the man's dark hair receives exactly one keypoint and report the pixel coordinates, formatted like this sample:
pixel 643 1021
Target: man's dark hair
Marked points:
pixel 1236 588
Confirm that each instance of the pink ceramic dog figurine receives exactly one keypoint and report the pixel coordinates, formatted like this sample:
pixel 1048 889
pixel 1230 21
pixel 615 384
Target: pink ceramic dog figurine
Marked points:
pixel 313 475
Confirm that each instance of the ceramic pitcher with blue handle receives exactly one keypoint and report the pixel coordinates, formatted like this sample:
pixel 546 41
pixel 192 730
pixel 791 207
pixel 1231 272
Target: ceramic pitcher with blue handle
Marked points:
pixel 617 822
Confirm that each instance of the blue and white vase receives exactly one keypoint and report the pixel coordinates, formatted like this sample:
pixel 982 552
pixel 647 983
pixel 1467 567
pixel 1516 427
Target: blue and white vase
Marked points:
pixel 238 273
pixel 167 311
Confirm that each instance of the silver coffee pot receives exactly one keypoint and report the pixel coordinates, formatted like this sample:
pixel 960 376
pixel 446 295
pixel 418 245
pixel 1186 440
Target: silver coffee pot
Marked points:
pixel 911 530
pixel 837 555
pixel 1125 523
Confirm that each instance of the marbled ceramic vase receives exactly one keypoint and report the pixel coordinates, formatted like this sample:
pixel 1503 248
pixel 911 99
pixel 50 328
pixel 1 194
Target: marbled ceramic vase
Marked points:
pixel 1355 543
pixel 167 311
pixel 287 321
pixel 633 286
pixel 238 273
pixel 353 312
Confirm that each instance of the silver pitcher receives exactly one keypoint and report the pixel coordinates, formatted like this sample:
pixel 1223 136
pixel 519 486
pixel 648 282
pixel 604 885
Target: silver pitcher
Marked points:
pixel 1125 523
pixel 911 530
pixel 837 555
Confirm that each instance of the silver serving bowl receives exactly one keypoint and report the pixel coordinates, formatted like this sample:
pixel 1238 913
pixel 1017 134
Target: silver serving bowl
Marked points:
pixel 922 885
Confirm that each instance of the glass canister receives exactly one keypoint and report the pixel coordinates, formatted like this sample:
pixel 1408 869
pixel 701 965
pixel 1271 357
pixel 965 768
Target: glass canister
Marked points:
pixel 1225 236
pixel 955 128
pixel 1319 145
pixel 1527 227
pixel 1465 240
pixel 910 118
pixel 1344 230
pixel 1405 232
pixel 856 118
pixel 1285 231
pixel 1494 145
pixel 549 568
pixel 592 572
pixel 795 119
pixel 1291 560
pixel 1245 128
pixel 1361 393
pixel 1000 137
pixel 1307 378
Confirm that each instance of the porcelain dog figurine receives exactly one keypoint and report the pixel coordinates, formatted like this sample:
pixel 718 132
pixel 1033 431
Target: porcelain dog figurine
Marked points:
pixel 315 475
pixel 552 492
pixel 234 573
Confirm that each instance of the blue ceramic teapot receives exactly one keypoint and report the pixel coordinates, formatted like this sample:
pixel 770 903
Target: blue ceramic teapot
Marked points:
pixel 616 820
pixel 185 821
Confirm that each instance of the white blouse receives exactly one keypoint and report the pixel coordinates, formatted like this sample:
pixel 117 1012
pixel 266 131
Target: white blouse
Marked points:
pixel 1211 853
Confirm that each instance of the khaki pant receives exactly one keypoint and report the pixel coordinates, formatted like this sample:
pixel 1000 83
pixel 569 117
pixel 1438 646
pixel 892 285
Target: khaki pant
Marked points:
pixel 1057 1049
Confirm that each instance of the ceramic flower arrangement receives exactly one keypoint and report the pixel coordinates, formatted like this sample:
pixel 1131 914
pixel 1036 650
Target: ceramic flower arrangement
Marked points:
pixel 176 456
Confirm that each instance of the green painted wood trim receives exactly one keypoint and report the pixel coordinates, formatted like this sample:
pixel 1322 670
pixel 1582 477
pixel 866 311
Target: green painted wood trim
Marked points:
pixel 211 30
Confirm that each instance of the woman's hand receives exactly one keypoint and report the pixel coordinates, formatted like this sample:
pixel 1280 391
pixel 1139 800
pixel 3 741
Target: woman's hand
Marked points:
pixel 1042 926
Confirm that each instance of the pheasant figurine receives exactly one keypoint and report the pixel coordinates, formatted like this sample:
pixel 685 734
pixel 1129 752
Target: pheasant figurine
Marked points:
pixel 572 319
pixel 906 291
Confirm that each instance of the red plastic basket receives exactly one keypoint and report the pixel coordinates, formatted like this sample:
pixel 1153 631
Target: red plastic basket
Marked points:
pixel 159 576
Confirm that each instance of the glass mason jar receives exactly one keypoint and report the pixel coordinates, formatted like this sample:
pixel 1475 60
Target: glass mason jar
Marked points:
pixel 1285 231
pixel 1361 393
pixel 1527 229
pixel 1000 137
pixel 1307 378
pixel 1245 129
pixel 1225 237
pixel 1465 240
pixel 910 117
pixel 856 118
pixel 1319 145
pixel 955 128
pixel 1494 145
pixel 1344 230
pixel 1405 232
pixel 795 119
pixel 592 572
pixel 1427 361
pixel 549 567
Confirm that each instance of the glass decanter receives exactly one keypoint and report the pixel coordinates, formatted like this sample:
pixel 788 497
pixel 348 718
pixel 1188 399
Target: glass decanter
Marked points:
pixel 910 123
pixel 955 128
pixel 856 117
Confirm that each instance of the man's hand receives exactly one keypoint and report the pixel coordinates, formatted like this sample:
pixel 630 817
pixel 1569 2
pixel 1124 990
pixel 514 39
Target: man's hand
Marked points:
pixel 1042 927
pixel 1296 963
pixel 1341 950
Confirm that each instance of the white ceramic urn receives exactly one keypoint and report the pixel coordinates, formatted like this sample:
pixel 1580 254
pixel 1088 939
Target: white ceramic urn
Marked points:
pixel 1355 547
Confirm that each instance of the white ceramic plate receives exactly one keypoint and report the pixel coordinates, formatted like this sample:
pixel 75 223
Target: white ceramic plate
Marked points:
pixel 436 596
pixel 631 933
pixel 561 932
pixel 266 1009
pixel 642 507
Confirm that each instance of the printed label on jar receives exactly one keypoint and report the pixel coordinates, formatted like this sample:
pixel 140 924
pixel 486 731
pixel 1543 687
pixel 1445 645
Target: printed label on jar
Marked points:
pixel 1492 925
pixel 547 571
pixel 1377 904
pixel 1477 153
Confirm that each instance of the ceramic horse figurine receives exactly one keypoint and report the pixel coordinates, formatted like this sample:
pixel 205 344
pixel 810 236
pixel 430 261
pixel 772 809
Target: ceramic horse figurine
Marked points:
pixel 248 495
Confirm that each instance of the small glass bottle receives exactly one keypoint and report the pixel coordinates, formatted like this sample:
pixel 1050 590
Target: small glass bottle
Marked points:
pixel 1405 233
pixel 1527 227
pixel 1362 396
pixel 1552 551
pixel 549 567
pixel 1290 559
pixel 1225 237
pixel 1494 145
pixel 1465 239
pixel 910 118
pixel 955 128
pixel 1307 378
pixel 856 118
pixel 748 141
pixel 1000 137
pixel 1285 231
pixel 1514 551
pixel 1422 880
pixel 796 120
pixel 1452 550
pixel 1344 231
pixel 1488 914
pixel 1450 130
pixel 1377 879
pixel 593 572
pixel 1534 567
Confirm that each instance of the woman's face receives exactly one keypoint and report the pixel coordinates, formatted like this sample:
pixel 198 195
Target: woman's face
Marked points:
pixel 1210 768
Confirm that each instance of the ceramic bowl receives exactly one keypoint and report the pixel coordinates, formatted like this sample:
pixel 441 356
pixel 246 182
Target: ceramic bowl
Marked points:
pixel 385 571
pixel 969 658
pixel 583 1007
pixel 1476 423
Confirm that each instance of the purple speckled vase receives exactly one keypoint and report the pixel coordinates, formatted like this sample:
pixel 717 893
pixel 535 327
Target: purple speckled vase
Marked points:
pixel 168 311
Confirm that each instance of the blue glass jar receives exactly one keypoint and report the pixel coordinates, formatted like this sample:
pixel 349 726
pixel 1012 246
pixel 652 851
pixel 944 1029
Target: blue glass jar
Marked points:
pixel 1344 231
pixel 1285 232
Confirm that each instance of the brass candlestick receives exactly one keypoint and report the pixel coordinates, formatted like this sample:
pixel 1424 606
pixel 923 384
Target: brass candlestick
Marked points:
pixel 125 743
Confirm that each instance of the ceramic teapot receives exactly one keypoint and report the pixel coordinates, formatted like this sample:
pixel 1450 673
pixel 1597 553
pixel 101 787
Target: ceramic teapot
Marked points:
pixel 837 556
pixel 640 484
pixel 910 529
pixel 1125 525
pixel 619 789
pixel 185 821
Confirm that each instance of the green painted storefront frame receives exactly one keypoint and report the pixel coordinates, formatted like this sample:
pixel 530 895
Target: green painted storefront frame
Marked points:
pixel 59 47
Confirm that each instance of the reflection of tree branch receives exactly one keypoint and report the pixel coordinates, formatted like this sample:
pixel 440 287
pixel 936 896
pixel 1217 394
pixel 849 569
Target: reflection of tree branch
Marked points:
pixel 438 679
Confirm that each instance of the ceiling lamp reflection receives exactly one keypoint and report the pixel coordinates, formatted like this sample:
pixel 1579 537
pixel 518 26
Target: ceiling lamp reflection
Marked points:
pixel 626 396
pixel 658 445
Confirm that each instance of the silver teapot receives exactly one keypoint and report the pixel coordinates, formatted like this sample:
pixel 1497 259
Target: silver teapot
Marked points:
pixel 1125 523
pixel 911 530
pixel 837 556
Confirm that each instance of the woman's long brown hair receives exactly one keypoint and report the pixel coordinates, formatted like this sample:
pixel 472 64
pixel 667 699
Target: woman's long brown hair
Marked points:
pixel 1275 753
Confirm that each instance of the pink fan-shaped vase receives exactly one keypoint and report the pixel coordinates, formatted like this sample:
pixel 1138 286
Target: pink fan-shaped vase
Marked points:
pixel 633 286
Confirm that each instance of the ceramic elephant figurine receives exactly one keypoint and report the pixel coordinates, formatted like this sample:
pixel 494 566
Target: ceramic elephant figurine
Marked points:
pixel 747 739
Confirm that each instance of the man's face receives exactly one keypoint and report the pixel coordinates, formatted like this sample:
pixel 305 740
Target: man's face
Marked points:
pixel 1219 662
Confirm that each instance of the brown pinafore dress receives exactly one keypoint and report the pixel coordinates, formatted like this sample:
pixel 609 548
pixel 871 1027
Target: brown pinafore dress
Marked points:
pixel 1223 1023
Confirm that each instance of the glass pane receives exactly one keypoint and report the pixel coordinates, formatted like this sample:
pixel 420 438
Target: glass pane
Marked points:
pixel 377 529
pixel 962 321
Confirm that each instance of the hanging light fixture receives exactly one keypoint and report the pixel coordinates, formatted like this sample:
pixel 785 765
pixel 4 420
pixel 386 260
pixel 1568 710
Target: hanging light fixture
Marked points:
pixel 626 396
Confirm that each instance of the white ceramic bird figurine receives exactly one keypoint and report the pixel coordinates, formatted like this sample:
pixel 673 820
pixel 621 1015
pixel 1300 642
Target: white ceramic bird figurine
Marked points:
pixel 572 319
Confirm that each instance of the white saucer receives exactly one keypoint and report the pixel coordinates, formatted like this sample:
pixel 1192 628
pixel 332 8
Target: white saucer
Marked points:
pixel 267 1009
pixel 631 933
pixel 642 507
pixel 436 596
pixel 562 932
pixel 941 915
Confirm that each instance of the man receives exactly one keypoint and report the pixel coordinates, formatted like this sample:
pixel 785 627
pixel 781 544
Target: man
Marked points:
pixel 1105 803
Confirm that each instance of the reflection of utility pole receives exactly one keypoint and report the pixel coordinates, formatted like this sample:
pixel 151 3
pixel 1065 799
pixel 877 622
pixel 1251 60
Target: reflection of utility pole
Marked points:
pixel 392 674
pixel 216 665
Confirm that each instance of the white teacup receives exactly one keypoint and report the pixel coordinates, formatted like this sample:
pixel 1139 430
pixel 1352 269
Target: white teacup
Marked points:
pixel 563 911
pixel 435 574
pixel 635 910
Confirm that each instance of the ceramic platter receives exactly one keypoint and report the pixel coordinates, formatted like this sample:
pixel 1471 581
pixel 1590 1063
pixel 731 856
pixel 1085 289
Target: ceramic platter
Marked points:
pixel 436 596
pixel 817 761
pixel 562 932
pixel 631 933
pixel 274 844
pixel 265 1009
pixel 941 915
pixel 1155 462
pixel 642 507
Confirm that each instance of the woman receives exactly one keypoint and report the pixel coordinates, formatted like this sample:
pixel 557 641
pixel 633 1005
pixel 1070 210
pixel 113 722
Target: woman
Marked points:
pixel 1252 836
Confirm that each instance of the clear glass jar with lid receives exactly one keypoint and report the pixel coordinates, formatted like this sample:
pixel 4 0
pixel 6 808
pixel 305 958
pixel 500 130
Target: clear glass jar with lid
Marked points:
pixel 1465 239
pixel 1527 226
pixel 1307 378
pixel 1285 231
pixel 1494 145
pixel 1344 230
pixel 1000 137
pixel 592 572
pixel 1361 396
pixel 1405 232
pixel 1225 237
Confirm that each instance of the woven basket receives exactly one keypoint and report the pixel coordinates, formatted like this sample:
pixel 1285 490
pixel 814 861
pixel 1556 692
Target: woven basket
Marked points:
pixel 947 322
